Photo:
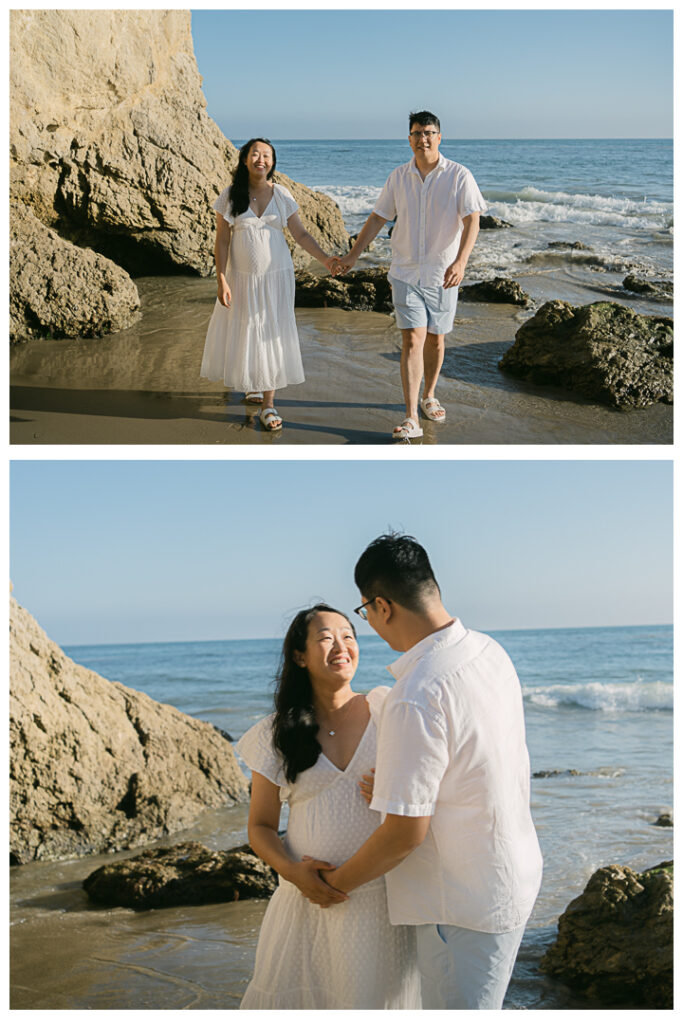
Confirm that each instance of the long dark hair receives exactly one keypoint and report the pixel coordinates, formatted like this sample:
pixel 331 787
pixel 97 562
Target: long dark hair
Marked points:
pixel 239 190
pixel 295 727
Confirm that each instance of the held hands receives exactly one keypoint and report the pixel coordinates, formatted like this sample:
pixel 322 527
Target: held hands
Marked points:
pixel 339 265
pixel 224 293
pixel 454 274
pixel 305 876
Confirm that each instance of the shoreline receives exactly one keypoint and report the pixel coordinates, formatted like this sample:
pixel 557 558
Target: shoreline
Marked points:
pixel 184 957
pixel 142 385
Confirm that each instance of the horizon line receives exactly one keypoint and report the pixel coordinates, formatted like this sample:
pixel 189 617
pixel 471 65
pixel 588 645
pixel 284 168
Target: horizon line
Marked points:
pixel 222 640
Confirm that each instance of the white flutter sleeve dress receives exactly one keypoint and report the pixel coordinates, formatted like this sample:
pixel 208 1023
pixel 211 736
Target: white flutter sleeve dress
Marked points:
pixel 254 345
pixel 346 956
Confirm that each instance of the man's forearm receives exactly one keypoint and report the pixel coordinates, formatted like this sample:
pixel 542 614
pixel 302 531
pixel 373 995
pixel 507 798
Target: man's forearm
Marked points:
pixel 469 236
pixel 388 845
pixel 370 230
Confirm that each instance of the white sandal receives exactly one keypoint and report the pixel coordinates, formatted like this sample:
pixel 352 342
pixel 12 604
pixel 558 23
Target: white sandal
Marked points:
pixel 255 397
pixel 268 418
pixel 430 406
pixel 409 428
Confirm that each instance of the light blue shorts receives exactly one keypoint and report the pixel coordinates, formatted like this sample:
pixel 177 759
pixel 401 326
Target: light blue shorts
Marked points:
pixel 465 970
pixel 433 308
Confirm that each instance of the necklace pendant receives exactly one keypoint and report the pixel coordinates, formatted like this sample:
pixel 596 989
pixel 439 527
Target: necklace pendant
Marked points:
pixel 331 732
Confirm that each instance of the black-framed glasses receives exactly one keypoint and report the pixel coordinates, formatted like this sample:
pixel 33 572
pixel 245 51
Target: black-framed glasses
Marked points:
pixel 360 610
pixel 427 135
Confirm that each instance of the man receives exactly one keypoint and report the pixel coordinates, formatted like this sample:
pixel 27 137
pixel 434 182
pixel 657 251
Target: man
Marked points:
pixel 457 843
pixel 436 203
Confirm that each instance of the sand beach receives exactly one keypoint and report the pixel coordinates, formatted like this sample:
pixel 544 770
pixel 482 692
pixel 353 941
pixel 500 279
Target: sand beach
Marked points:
pixel 142 385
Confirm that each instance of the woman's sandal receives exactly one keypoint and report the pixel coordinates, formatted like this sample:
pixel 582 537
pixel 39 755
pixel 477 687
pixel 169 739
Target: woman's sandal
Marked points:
pixel 270 419
pixel 255 397
pixel 430 406
pixel 409 428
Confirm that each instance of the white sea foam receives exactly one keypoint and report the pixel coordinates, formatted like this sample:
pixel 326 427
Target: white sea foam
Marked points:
pixel 637 696
pixel 533 204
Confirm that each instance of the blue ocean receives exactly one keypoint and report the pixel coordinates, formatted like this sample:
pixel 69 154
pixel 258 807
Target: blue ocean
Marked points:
pixel 615 196
pixel 597 701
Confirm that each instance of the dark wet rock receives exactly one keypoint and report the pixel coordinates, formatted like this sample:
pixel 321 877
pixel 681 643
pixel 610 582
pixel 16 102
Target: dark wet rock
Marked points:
pixel 97 767
pixel 499 289
pixel 488 223
pixel 58 290
pixel 569 245
pixel 368 248
pixel 552 773
pixel 359 289
pixel 615 941
pixel 604 351
pixel 188 874
pixel 652 289
pixel 665 821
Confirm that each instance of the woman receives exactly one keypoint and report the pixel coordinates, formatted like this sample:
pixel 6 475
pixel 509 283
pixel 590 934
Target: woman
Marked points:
pixel 252 342
pixel 312 753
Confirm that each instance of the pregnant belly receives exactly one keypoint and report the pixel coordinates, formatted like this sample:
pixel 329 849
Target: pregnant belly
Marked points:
pixel 259 252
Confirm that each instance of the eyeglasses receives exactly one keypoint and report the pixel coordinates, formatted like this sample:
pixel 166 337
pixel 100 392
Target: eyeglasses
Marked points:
pixel 360 610
pixel 427 135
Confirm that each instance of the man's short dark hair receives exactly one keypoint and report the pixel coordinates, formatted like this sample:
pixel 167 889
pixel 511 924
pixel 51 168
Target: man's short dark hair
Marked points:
pixel 424 117
pixel 396 567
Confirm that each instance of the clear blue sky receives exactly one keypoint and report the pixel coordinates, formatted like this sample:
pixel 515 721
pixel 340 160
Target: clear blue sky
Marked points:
pixel 128 551
pixel 488 74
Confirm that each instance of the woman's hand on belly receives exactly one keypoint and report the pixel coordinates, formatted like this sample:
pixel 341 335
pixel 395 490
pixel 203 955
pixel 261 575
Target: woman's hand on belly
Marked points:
pixel 304 874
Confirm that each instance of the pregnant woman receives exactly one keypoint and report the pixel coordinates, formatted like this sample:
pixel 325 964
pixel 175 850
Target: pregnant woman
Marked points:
pixel 312 753
pixel 252 342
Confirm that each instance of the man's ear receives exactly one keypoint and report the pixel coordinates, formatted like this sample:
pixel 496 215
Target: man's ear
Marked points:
pixel 384 608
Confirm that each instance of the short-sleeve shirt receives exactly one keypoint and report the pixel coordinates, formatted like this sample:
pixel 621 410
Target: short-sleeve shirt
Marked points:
pixel 283 202
pixel 451 745
pixel 429 218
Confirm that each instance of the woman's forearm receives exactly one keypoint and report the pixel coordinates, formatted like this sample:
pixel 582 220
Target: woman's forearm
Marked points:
pixel 266 843
pixel 309 245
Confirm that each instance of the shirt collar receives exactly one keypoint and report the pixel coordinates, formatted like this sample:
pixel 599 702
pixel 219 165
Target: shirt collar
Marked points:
pixel 439 167
pixel 446 637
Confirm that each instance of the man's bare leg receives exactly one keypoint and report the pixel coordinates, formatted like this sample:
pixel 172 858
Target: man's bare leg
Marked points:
pixel 434 350
pixel 412 366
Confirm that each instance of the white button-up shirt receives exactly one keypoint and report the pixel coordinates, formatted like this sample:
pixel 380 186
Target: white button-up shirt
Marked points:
pixel 451 744
pixel 429 218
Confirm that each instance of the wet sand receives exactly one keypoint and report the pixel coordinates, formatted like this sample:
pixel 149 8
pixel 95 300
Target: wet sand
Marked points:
pixel 68 954
pixel 141 386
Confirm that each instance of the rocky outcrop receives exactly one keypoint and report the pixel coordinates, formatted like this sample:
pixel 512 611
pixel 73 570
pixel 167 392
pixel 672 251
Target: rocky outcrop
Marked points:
pixel 489 223
pixel 662 290
pixel 188 874
pixel 111 145
pixel 94 295
pixel 615 941
pixel 579 246
pixel 604 351
pixel 95 766
pixel 359 289
pixel 665 820
pixel 498 289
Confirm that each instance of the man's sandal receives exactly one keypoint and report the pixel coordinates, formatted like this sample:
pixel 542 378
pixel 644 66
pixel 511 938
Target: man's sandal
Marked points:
pixel 430 407
pixel 408 429
pixel 270 419
pixel 255 397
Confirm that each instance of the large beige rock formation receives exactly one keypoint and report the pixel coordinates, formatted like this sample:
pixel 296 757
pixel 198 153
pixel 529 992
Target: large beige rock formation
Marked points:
pixel 111 144
pixel 95 766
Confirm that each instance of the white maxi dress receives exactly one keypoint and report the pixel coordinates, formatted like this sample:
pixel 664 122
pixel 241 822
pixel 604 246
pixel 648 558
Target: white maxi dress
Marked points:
pixel 254 345
pixel 344 957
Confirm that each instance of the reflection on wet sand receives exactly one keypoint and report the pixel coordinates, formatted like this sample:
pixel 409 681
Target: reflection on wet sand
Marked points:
pixel 141 386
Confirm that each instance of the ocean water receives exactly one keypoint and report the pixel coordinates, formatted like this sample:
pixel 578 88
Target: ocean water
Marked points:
pixel 613 195
pixel 598 704
pixel 597 701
